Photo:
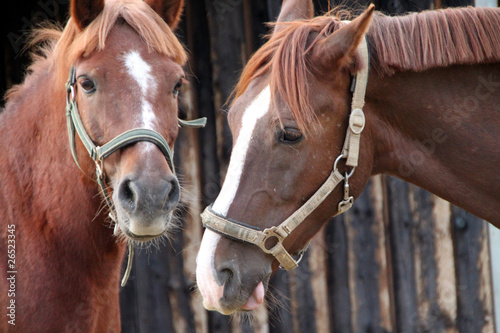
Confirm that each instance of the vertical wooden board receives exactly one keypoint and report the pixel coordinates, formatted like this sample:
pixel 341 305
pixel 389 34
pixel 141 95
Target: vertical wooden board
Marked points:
pixel 429 315
pixel 128 305
pixel 377 196
pixel 179 288
pixel 337 276
pixel 494 241
pixel 153 301
pixel 318 267
pixel 446 281
pixel 198 42
pixel 190 176
pixel 363 232
pixel 401 246
pixel 303 305
pixel 278 303
pixel 474 305
pixel 227 45
pixel 486 283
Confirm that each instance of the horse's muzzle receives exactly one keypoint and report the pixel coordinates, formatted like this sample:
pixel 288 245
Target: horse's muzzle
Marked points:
pixel 144 204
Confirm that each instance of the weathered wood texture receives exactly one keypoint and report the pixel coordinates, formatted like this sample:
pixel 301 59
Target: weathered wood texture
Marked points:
pixel 402 260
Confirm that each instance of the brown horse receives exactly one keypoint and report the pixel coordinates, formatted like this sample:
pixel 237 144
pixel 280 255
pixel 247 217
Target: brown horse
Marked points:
pixel 60 261
pixel 431 117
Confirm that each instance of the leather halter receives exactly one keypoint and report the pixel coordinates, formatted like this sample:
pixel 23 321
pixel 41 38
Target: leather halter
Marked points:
pixel 271 240
pixel 99 153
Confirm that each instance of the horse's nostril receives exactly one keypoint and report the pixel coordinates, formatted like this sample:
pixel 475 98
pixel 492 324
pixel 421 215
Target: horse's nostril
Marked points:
pixel 228 277
pixel 127 195
pixel 225 276
pixel 173 195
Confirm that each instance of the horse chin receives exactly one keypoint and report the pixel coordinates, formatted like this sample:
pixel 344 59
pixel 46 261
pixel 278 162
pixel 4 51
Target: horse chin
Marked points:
pixel 144 231
pixel 140 238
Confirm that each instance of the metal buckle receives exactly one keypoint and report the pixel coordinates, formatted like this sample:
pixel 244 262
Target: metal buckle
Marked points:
pixel 268 234
pixel 348 200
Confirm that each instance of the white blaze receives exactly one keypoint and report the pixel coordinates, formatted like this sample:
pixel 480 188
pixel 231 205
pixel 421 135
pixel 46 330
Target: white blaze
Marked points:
pixel 140 71
pixel 205 266
pixel 254 112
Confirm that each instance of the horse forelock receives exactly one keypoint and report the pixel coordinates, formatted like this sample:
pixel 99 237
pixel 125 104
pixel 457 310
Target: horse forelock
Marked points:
pixel 285 58
pixel 62 47
pixel 414 42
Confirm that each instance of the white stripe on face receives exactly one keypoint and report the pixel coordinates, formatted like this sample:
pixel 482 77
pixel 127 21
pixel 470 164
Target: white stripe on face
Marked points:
pixel 141 73
pixel 205 262
pixel 258 108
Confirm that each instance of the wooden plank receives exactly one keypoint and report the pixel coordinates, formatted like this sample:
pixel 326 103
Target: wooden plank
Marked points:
pixel 198 42
pixel 337 276
pixel 318 267
pixel 494 241
pixel 153 301
pixel 378 200
pixel 446 281
pixel 401 233
pixel 429 315
pixel 279 303
pixel 303 305
pixel 474 304
pixel 365 251
pixel 129 311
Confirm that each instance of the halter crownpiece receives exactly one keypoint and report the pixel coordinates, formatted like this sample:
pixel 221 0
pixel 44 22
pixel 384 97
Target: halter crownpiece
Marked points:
pixel 99 153
pixel 271 240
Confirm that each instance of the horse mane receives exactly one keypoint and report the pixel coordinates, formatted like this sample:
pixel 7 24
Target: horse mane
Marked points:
pixel 414 42
pixel 62 47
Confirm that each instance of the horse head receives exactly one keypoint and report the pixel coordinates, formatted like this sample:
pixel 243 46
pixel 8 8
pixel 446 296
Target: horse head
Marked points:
pixel 125 75
pixel 289 122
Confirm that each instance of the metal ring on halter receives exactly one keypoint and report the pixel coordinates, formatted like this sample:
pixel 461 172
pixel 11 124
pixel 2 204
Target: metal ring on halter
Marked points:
pixel 341 156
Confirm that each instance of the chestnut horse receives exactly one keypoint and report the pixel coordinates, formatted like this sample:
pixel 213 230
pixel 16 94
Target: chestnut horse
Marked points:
pixel 431 116
pixel 60 262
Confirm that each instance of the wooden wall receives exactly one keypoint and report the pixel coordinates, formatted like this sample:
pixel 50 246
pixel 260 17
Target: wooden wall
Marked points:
pixel 401 260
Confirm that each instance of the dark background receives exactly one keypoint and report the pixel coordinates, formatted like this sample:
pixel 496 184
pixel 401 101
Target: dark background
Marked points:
pixel 402 260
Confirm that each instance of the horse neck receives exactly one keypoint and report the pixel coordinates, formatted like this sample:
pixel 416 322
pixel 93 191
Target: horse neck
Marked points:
pixel 439 129
pixel 53 196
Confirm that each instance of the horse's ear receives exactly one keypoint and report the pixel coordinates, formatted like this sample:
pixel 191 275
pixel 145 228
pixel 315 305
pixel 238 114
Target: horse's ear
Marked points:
pixel 169 10
pixel 292 10
pixel 339 49
pixel 84 12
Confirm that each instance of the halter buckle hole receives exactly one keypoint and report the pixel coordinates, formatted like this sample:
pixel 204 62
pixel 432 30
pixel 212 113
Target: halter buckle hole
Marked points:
pixel 271 242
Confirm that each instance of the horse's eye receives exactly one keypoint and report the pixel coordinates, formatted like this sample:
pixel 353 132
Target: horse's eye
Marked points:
pixel 290 135
pixel 177 87
pixel 87 85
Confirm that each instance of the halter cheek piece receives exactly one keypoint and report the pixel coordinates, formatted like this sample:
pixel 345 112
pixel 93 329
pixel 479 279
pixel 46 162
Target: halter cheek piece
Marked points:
pixel 99 153
pixel 271 240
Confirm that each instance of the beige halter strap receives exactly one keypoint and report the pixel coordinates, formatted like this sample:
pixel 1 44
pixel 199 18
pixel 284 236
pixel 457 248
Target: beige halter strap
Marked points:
pixel 271 240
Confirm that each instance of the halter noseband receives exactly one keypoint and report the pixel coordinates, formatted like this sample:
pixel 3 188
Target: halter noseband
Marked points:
pixel 99 153
pixel 271 240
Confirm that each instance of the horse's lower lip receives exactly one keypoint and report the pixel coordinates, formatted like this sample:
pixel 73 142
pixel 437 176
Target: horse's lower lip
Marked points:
pixel 140 238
